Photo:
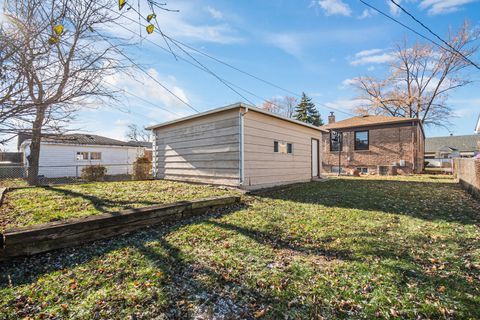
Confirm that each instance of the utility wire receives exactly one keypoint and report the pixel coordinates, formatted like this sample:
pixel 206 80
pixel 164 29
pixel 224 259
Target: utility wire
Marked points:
pixel 142 99
pixel 206 69
pixel 147 74
pixel 406 27
pixel 434 34
pixel 177 43
pixel 200 68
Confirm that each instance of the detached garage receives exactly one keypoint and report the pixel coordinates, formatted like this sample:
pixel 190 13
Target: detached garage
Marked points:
pixel 237 145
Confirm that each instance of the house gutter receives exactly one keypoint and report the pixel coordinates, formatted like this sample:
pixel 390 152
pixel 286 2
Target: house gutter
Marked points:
pixel 242 146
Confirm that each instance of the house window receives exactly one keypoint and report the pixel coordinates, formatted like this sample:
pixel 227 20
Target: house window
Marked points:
pixel 336 141
pixel 95 156
pixel 361 140
pixel 282 147
pixel 289 148
pixel 82 156
pixel 362 170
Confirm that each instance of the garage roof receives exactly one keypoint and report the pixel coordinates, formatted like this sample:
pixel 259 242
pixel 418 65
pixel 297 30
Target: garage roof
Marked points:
pixel 235 106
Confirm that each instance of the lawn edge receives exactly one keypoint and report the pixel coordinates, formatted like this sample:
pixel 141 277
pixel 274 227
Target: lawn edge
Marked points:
pixel 31 240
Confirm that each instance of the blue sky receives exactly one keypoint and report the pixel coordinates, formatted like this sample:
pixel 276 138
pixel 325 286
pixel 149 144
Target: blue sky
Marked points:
pixel 300 45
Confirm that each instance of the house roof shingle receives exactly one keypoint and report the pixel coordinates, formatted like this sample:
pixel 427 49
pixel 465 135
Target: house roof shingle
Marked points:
pixel 467 143
pixel 81 139
pixel 369 120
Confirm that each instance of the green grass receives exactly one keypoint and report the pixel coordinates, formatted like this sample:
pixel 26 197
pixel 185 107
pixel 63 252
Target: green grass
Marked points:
pixel 8 183
pixel 23 207
pixel 353 248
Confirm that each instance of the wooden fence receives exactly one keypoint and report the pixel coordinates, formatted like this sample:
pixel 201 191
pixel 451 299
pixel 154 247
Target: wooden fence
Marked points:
pixel 61 234
pixel 467 172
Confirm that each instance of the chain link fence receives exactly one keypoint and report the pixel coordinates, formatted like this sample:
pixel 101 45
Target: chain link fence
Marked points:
pixel 16 175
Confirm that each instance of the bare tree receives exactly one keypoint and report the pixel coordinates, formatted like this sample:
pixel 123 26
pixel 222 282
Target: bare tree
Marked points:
pixel 420 79
pixel 284 106
pixel 61 57
pixel 136 133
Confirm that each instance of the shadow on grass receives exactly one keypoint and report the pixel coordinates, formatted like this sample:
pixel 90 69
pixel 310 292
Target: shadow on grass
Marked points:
pixel 213 293
pixel 424 200
pixel 101 204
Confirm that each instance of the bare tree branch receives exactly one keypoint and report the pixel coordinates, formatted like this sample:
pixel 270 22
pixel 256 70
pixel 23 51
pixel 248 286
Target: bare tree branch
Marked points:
pixel 420 79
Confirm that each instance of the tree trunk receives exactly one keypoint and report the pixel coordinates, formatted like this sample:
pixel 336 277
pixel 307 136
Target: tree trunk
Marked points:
pixel 35 146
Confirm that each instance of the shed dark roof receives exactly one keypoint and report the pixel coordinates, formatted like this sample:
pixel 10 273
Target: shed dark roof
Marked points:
pixel 467 143
pixel 80 139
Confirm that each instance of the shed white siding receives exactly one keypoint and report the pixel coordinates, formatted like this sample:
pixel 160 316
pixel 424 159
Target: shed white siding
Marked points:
pixel 234 146
pixel 266 168
pixel 60 160
pixel 204 149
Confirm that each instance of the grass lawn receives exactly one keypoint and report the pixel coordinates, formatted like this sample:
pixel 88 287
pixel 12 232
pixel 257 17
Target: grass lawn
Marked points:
pixel 23 207
pixel 354 248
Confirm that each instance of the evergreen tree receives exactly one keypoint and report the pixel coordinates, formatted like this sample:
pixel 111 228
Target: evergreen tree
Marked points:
pixel 307 112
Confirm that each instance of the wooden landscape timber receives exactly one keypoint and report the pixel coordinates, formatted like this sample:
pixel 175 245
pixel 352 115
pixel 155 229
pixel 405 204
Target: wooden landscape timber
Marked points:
pixel 40 238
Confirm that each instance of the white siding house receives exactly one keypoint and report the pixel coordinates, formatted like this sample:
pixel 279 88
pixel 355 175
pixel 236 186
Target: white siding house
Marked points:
pixel 67 155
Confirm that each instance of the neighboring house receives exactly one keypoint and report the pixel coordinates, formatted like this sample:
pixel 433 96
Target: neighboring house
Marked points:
pixel 373 144
pixel 66 155
pixel 449 147
pixel 237 145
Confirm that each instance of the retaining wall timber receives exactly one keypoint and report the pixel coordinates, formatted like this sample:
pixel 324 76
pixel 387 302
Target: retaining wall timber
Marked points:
pixel 61 234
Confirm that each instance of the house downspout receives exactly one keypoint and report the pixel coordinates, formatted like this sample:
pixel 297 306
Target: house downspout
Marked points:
pixel 242 146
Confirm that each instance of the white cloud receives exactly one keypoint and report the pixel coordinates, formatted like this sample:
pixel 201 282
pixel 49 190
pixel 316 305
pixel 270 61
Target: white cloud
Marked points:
pixel 216 14
pixel 372 56
pixel 344 104
pixel 367 13
pixel 143 86
pixel 393 8
pixel 189 24
pixel 348 82
pixel 122 122
pixel 297 43
pixel 335 7
pixel 435 7
pixel 290 43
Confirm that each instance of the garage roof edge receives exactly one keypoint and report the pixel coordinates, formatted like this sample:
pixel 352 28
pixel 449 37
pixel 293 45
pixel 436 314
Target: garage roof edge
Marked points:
pixel 230 107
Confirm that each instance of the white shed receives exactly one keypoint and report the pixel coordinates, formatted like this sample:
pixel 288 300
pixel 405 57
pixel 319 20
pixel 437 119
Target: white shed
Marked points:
pixel 237 145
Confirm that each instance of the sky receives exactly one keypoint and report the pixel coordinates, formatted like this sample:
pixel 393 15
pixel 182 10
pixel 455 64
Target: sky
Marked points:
pixel 307 46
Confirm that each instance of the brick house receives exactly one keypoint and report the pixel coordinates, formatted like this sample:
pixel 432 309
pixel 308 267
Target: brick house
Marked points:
pixel 373 145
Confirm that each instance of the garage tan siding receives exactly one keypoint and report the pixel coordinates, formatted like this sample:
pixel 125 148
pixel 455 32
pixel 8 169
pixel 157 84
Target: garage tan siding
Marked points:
pixel 205 149
pixel 264 167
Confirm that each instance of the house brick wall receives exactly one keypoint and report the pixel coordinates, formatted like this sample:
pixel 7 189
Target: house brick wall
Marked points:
pixel 387 146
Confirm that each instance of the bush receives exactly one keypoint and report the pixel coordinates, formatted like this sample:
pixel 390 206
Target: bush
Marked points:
pixel 94 173
pixel 141 168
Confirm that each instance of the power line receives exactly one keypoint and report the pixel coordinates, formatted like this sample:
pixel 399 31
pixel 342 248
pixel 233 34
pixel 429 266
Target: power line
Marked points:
pixel 405 26
pixel 402 24
pixel 202 69
pixel 436 35
pixel 143 99
pixel 179 43
pixel 147 74
pixel 206 69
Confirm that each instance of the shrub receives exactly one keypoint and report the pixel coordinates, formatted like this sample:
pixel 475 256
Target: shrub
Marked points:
pixel 141 168
pixel 94 173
